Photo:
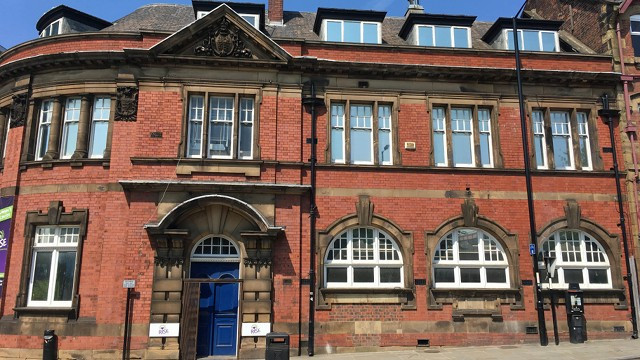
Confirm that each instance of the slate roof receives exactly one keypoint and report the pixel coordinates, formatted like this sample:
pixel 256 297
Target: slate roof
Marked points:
pixel 2 49
pixel 297 25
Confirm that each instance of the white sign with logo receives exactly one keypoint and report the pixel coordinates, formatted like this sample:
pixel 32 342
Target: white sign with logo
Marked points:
pixel 256 329
pixel 164 330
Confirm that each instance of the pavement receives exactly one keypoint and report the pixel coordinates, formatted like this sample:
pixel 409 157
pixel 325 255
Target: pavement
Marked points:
pixel 591 350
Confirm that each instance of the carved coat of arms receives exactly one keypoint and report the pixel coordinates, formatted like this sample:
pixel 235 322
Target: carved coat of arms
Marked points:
pixel 18 110
pixel 223 40
pixel 127 104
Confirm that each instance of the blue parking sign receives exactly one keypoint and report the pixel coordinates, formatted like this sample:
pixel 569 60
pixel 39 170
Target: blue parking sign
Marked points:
pixel 532 249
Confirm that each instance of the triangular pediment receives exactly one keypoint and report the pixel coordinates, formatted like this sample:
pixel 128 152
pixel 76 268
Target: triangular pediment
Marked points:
pixel 221 34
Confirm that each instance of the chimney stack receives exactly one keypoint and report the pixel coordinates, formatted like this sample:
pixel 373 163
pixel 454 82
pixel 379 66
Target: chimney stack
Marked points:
pixel 414 8
pixel 276 12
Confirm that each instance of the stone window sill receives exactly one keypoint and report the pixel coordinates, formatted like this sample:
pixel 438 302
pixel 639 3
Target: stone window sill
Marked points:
pixel 69 312
pixel 188 166
pixel 404 297
pixel 74 163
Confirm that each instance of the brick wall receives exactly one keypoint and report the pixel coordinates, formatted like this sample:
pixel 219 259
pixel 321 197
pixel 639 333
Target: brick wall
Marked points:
pixel 582 19
pixel 417 199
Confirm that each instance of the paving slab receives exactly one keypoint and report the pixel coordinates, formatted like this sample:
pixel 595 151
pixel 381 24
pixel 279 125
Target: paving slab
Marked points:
pixel 627 349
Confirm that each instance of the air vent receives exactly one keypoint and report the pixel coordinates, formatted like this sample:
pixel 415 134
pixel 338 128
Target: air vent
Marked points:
pixel 531 330
pixel 423 343
pixel 618 329
pixel 420 282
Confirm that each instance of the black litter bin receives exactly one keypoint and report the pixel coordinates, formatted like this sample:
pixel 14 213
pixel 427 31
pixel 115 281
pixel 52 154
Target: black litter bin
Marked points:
pixel 277 346
pixel 50 345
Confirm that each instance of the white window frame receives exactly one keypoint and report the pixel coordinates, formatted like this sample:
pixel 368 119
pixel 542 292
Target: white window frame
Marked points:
pixel 201 14
pixel 47 31
pixel 452 31
pixel 583 132
pixel 545 161
pixel 388 129
pixel 256 19
pixel 253 126
pixel 481 264
pixel 338 127
pixel 505 35
pixel 65 130
pixel 210 123
pixel 362 23
pixel 370 129
pixel 41 124
pixel 444 134
pixel 93 122
pixel 376 263
pixel 215 257
pixel 55 248
pixel 191 119
pixel 569 136
pixel 583 264
pixel 206 123
pixel 490 132
pixel 471 138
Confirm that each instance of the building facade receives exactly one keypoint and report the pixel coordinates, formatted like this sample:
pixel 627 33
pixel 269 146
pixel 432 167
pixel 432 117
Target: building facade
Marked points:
pixel 173 147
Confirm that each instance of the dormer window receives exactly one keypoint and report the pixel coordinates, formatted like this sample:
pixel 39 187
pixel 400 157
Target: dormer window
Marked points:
pixel 252 19
pixel 533 40
pixel 443 36
pixel 52 29
pixel 351 26
pixel 452 31
pixel 533 35
pixel 63 20
pixel 352 31
pixel 252 13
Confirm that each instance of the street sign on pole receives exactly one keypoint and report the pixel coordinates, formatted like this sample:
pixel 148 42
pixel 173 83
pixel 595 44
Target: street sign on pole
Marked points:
pixel 128 284
pixel 532 249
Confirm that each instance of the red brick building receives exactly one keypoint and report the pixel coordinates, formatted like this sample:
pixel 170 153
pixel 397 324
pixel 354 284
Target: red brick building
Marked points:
pixel 422 229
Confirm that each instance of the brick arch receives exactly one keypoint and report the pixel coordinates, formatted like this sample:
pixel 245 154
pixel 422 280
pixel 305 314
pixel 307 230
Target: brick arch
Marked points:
pixel 609 242
pixel 507 240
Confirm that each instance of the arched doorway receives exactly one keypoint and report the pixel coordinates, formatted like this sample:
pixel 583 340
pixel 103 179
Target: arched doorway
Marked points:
pixel 216 257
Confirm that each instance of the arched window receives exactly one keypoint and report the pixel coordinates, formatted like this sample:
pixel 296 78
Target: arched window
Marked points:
pixel 635 34
pixel 363 258
pixel 470 258
pixel 215 248
pixel 579 259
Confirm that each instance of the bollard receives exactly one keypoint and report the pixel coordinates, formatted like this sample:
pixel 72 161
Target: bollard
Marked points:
pixel 50 345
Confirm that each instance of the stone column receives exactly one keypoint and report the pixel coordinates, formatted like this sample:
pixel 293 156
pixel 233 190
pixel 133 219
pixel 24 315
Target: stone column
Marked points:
pixel 84 127
pixel 54 135
pixel 3 128
pixel 256 295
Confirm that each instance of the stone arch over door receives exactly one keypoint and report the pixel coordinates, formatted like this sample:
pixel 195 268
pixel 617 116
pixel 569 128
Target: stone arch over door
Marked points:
pixel 173 239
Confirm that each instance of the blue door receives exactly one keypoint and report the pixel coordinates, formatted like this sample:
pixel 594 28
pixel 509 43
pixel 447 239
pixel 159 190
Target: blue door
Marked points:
pixel 218 317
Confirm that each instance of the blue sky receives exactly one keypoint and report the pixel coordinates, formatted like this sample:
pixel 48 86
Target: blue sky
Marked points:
pixel 20 16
